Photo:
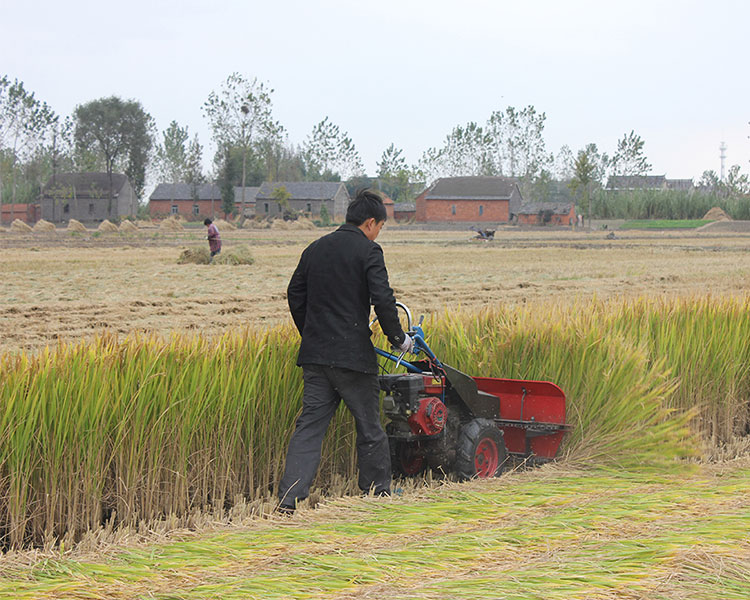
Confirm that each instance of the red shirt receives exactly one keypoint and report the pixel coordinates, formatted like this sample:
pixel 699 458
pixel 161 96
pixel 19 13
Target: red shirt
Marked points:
pixel 214 239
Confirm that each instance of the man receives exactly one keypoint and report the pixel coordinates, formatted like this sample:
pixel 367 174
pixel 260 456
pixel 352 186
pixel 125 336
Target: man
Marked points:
pixel 214 239
pixel 337 279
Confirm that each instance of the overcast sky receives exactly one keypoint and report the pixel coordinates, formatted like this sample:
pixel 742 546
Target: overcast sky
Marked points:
pixel 407 71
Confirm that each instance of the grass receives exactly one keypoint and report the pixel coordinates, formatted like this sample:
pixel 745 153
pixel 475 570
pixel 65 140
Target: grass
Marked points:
pixel 555 533
pixel 664 224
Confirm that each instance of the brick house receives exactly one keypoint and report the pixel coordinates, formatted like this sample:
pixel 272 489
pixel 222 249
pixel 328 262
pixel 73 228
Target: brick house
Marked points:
pixel 28 213
pixel 404 211
pixel 86 197
pixel 547 213
pixel 469 199
pixel 389 208
pixel 306 197
pixel 193 202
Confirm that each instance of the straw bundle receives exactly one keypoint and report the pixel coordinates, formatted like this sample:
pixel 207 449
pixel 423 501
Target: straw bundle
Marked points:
pixel 238 255
pixel 76 226
pixel 128 227
pixel 19 226
pixel 716 214
pixel 171 224
pixel 302 223
pixel 224 225
pixel 107 226
pixel 44 226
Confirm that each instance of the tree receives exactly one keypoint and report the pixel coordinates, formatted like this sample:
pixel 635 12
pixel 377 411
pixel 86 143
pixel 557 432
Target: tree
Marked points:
pixel 391 162
pixel 227 179
pixel 194 167
pixel 629 159
pixel 25 123
pixel 563 164
pixel 328 150
pixel 584 175
pixel 709 181
pixel 240 116
pixel 172 154
pixel 516 146
pixel 281 196
pixel 394 176
pixel 737 183
pixel 122 133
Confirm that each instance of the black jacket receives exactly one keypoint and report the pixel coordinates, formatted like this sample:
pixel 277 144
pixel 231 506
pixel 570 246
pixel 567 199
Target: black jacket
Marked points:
pixel 337 279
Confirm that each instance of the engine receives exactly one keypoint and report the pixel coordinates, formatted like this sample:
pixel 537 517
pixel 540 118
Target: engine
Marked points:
pixel 429 418
pixel 413 410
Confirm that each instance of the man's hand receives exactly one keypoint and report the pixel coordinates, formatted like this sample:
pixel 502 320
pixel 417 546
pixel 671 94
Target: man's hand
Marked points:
pixel 407 345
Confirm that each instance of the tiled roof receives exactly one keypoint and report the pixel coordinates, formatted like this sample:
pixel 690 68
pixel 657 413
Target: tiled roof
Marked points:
pixel 301 190
pixel 475 188
pixel 86 185
pixel 184 191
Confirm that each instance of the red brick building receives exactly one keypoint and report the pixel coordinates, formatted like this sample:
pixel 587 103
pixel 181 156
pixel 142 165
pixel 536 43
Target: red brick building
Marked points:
pixel 469 199
pixel 28 213
pixel 547 213
pixel 194 203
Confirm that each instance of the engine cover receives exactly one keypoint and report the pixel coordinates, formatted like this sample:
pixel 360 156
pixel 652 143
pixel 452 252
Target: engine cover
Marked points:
pixel 429 419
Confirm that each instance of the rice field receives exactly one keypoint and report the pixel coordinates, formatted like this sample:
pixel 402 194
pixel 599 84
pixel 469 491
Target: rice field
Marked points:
pixel 118 432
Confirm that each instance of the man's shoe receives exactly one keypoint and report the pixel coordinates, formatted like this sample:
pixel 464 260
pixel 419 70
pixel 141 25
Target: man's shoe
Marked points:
pixel 284 510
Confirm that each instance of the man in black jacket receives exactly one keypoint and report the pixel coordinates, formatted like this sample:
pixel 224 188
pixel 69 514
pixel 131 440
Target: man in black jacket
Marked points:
pixel 338 278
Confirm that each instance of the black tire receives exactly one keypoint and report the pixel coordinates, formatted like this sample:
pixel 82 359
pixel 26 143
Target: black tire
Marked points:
pixel 480 451
pixel 407 459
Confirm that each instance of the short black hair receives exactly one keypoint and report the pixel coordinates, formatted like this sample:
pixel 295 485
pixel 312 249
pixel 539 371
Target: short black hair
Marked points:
pixel 366 205
pixel 207 222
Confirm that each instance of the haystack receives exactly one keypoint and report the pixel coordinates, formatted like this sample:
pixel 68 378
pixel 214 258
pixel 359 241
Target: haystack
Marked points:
pixel 302 223
pixel 171 224
pixel 237 255
pixel 279 224
pixel 107 226
pixel 196 256
pixel 128 227
pixel 76 226
pixel 225 225
pixel 44 226
pixel 18 226
pixel 716 214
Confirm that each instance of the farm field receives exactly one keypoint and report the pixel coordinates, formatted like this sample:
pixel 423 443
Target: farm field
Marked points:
pixel 646 332
pixel 557 533
pixel 59 287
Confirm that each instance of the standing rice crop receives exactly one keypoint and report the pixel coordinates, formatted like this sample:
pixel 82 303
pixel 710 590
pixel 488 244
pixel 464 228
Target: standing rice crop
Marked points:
pixel 138 428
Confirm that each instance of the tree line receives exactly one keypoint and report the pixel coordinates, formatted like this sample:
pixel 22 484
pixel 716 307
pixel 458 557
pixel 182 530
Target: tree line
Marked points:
pixel 116 135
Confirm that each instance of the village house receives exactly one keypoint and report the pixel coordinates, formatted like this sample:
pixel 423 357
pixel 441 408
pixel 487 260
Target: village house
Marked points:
pixel 629 183
pixel 87 197
pixel 472 199
pixel 192 202
pixel 404 211
pixel 547 213
pixel 307 197
pixel 28 213
pixel 250 194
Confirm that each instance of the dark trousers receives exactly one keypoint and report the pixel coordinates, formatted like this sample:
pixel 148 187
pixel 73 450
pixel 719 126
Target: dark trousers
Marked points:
pixel 325 387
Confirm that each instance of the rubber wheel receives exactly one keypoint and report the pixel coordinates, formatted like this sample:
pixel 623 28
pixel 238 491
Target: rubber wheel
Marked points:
pixel 480 451
pixel 406 459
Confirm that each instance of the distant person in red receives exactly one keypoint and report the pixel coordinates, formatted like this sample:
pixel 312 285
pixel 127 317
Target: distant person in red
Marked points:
pixel 214 239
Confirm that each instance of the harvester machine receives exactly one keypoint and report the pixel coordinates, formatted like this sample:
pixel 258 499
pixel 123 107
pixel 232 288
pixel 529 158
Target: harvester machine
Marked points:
pixel 443 419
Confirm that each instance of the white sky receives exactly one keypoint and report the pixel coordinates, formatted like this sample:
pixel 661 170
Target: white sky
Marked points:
pixel 407 71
